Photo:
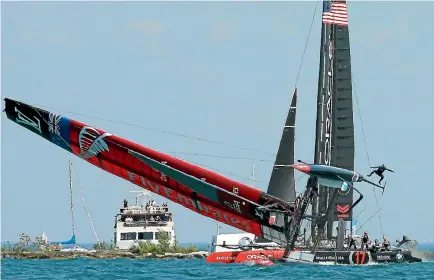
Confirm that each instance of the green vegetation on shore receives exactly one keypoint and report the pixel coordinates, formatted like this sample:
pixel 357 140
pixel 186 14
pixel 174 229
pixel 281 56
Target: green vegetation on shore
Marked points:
pixel 40 249
pixel 162 247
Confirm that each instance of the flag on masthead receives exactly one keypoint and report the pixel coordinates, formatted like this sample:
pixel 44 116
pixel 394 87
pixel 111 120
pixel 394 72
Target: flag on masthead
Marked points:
pixel 335 12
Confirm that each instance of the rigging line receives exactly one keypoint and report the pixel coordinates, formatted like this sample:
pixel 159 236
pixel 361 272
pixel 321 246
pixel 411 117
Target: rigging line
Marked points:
pixel 366 149
pixel 77 154
pixel 71 198
pixel 84 202
pixel 165 131
pixel 305 46
pixel 369 220
pixel 226 172
pixel 218 156
pixel 233 174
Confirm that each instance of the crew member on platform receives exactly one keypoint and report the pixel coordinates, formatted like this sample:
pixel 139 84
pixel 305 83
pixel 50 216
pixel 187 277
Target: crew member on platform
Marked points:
pixel 365 240
pixel 386 243
pixel 352 242
pixel 376 246
pixel 379 171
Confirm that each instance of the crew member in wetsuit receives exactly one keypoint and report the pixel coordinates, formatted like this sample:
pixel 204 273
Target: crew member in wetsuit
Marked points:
pixel 386 243
pixel 379 171
pixel 352 242
pixel 376 246
pixel 365 240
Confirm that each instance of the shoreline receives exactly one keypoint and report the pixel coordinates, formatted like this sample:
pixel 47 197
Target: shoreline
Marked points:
pixel 59 255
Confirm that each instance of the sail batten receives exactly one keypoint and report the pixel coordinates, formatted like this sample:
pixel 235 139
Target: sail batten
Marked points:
pixel 282 181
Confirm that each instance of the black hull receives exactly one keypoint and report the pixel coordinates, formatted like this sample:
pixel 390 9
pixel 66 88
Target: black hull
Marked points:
pixel 364 257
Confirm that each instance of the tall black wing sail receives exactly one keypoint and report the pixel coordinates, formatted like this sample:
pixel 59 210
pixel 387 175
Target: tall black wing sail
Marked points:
pixel 343 123
pixel 282 182
pixel 334 143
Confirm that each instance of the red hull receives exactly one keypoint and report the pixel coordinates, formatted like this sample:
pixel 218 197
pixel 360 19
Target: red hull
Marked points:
pixel 244 256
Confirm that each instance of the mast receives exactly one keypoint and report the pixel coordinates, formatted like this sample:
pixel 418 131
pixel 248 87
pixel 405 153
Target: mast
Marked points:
pixel 84 203
pixel 282 181
pixel 334 143
pixel 72 201
pixel 342 114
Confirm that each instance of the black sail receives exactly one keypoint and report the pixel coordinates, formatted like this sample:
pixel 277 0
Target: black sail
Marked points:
pixel 282 182
pixel 334 144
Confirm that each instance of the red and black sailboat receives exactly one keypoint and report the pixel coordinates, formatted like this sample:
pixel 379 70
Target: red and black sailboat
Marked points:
pixel 275 215
pixel 330 208
pixel 189 185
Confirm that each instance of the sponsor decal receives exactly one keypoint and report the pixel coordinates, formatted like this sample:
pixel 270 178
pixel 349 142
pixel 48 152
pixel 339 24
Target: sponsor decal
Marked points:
pixel 399 256
pixel 328 258
pixel 225 258
pixel 342 209
pixel 345 189
pixel 23 119
pixel 328 122
pixel 384 257
pixel 258 257
pixel 188 202
pixel 92 142
pixel 244 241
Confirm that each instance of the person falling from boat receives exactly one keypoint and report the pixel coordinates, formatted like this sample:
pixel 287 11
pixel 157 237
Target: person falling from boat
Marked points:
pixel 365 241
pixel 379 171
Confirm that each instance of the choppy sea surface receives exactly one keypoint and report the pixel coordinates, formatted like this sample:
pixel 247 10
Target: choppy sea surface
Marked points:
pixel 199 269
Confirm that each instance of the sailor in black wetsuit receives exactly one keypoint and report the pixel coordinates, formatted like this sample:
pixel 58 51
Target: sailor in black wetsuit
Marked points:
pixel 379 171
pixel 376 246
pixel 352 242
pixel 365 240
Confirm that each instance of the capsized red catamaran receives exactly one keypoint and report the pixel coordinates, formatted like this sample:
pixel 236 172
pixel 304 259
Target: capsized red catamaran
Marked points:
pixel 189 185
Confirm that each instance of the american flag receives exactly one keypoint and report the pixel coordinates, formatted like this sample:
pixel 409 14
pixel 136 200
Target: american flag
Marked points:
pixel 335 12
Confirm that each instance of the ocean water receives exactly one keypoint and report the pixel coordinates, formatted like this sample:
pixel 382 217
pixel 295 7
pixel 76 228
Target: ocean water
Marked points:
pixel 198 269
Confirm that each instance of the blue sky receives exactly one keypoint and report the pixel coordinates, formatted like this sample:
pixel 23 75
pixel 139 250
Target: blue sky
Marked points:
pixel 220 71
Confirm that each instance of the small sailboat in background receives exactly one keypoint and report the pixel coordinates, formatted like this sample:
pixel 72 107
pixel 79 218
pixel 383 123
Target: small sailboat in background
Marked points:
pixel 72 241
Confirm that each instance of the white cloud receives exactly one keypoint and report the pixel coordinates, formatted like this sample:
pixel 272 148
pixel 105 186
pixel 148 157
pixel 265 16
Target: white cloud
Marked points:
pixel 221 32
pixel 148 27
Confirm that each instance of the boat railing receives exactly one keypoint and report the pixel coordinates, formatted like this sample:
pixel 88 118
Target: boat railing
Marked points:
pixel 145 223
pixel 147 209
